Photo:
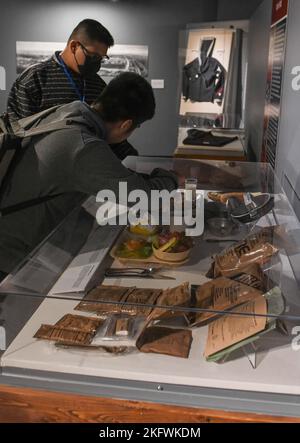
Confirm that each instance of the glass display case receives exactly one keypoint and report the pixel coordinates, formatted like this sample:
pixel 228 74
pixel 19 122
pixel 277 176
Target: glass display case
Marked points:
pixel 212 90
pixel 205 330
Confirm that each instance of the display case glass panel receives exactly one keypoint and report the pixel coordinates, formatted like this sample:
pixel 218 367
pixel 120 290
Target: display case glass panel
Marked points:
pixel 224 317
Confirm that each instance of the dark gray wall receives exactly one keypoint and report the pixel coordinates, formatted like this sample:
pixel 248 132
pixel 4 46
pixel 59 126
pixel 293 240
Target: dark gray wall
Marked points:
pixel 237 9
pixel 288 148
pixel 154 23
pixel 258 51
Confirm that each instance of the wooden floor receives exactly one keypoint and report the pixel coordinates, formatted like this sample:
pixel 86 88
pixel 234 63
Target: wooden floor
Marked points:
pixel 22 405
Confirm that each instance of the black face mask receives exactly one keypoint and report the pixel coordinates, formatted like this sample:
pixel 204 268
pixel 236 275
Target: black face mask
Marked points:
pixel 90 67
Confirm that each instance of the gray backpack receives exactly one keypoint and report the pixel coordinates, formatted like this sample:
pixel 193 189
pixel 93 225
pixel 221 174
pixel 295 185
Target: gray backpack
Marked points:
pixel 14 139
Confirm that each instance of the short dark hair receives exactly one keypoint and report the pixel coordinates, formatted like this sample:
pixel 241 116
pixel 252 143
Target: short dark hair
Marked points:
pixel 89 30
pixel 127 97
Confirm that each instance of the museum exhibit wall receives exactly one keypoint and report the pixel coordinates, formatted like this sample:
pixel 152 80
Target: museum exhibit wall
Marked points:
pixel 288 147
pixel 258 50
pixel 153 22
pixel 236 9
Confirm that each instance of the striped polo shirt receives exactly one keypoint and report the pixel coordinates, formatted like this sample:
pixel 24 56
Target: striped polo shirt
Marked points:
pixel 45 84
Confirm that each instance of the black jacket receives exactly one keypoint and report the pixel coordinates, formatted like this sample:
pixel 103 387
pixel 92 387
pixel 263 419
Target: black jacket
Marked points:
pixel 203 83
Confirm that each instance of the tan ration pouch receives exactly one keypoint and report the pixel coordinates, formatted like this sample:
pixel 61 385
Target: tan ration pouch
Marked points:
pixel 58 334
pixel 160 340
pixel 172 297
pixel 219 295
pixel 252 275
pixel 104 300
pixel 256 248
pixel 140 297
pixel 79 323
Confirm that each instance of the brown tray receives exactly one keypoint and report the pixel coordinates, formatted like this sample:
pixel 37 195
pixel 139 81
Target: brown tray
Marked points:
pixel 152 259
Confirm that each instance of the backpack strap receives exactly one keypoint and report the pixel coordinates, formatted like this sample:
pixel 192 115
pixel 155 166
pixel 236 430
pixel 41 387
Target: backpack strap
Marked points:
pixel 44 129
pixel 27 122
pixel 27 126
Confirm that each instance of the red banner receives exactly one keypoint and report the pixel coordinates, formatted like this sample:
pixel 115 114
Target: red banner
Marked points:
pixel 280 10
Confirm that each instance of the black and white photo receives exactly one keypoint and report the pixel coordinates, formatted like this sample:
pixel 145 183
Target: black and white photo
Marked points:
pixel 30 53
pixel 126 58
pixel 122 58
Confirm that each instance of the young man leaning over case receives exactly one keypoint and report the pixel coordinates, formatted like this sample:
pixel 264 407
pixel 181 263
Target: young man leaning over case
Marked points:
pixel 76 161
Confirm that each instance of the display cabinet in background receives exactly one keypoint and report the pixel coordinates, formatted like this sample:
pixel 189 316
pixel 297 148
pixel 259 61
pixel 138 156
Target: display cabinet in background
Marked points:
pixel 213 78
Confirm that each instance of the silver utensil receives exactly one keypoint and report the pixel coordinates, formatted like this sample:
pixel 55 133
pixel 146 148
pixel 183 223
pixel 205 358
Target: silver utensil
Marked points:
pixel 151 273
pixel 143 271
pixel 145 277
pixel 221 240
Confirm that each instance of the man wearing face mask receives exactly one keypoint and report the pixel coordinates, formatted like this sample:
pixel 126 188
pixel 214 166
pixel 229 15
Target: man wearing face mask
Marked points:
pixel 67 76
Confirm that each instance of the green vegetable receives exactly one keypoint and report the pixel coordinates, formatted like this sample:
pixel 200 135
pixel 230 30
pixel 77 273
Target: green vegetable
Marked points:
pixel 146 251
pixel 142 253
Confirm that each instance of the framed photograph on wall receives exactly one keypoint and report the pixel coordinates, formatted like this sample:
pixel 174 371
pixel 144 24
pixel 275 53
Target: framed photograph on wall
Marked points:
pixel 122 58
pixel 30 53
pixel 126 58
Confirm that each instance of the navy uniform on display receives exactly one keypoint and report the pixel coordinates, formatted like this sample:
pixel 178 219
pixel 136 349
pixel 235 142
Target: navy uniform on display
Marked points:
pixel 204 77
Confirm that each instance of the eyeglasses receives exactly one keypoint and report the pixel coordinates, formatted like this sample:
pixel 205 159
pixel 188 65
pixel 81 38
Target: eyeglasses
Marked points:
pixel 94 55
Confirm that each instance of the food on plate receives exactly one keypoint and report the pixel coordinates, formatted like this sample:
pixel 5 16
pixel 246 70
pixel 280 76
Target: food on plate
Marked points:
pixel 172 242
pixel 166 246
pixel 145 230
pixel 172 246
pixel 135 249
